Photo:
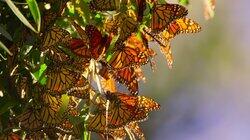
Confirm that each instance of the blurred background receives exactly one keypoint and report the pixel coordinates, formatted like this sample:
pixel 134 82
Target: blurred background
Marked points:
pixel 206 96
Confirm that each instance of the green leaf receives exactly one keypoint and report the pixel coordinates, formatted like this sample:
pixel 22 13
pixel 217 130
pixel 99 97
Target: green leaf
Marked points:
pixel 111 46
pixel 184 2
pixel 86 135
pixel 34 9
pixel 5 33
pixel 65 102
pixel 19 15
pixel 5 48
pixel 39 75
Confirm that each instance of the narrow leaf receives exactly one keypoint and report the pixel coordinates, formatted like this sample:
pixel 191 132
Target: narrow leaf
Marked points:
pixel 65 102
pixel 5 48
pixel 19 15
pixel 184 2
pixel 34 9
pixel 5 33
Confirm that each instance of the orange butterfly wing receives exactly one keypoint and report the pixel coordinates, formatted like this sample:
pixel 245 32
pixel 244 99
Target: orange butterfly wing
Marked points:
pixel 164 14
pixel 132 52
pixel 122 108
pixel 80 48
pixel 128 77
pixel 97 123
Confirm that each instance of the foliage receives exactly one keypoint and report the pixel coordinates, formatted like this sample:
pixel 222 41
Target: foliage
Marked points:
pixel 62 62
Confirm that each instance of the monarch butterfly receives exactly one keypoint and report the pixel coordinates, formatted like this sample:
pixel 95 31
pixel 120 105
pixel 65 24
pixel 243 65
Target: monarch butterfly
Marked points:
pixel 10 136
pixel 97 123
pixel 104 5
pixel 111 25
pixel 126 108
pixel 164 14
pixel 36 135
pixel 48 20
pixel 109 84
pixel 61 78
pixel 80 48
pixel 50 109
pixel 97 44
pixel 118 116
pixel 128 25
pixel 163 40
pixel 30 119
pixel 81 33
pixel 116 134
pixel 182 25
pixel 132 52
pixel 135 129
pixel 57 55
pixel 81 89
pixel 79 64
pixel 141 102
pixel 54 36
pixel 50 116
pixel 126 76
pixel 50 16
pixel 147 104
pixel 123 109
pixel 67 127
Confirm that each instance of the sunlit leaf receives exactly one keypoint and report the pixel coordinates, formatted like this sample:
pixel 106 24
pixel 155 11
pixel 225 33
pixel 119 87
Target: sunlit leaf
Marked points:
pixel 5 48
pixel 64 106
pixel 184 2
pixel 19 15
pixel 39 75
pixel 34 9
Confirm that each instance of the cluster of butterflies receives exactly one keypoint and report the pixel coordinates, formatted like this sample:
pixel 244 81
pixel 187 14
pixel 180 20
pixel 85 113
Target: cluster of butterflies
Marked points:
pixel 87 70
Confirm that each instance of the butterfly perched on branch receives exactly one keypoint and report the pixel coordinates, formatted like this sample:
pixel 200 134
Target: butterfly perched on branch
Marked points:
pixel 61 78
pixel 92 43
pixel 126 108
pixel 163 38
pixel 51 40
pixel 126 76
pixel 130 53
pixel 164 14
pixel 133 129
pixel 123 109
